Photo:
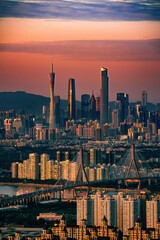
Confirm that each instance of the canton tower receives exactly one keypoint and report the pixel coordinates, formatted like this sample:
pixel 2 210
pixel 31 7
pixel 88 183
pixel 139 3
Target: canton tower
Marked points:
pixel 52 114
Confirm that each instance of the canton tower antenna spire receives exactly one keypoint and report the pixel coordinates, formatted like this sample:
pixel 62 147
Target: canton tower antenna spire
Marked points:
pixel 52 112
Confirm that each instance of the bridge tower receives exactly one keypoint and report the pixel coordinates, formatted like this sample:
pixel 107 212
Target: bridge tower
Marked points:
pixel 81 176
pixel 133 163
pixel 81 170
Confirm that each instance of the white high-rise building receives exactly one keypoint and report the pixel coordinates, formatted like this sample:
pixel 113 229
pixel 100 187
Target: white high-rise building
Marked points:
pixel 110 210
pixel 100 172
pixel 34 165
pixel 92 174
pixel 85 210
pixel 14 169
pixel 152 213
pixel 20 170
pixel 98 207
pixel 119 198
pixel 98 213
pixel 49 169
pixel 93 156
pixel 73 169
pixel 65 169
pixel 44 159
pixel 26 169
pixel 56 170
pixel 131 212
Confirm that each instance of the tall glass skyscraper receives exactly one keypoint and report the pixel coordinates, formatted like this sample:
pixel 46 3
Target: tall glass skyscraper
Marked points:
pixel 144 99
pixel 92 107
pixel 71 99
pixel 52 114
pixel 104 96
pixel 123 98
pixel 57 110
pixel 85 100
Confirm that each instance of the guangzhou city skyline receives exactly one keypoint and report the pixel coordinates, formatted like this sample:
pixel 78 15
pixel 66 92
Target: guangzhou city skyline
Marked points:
pixel 81 37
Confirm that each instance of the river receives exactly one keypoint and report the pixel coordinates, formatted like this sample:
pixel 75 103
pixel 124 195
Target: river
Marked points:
pixel 17 189
pixel 10 190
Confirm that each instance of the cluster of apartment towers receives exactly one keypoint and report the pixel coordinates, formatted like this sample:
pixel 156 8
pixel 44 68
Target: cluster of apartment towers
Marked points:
pixel 72 101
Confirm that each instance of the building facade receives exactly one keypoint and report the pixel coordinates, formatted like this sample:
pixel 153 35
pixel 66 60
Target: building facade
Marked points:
pixel 71 99
pixel 104 96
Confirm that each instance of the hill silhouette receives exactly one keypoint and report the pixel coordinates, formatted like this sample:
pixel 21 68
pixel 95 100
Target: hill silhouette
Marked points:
pixel 33 103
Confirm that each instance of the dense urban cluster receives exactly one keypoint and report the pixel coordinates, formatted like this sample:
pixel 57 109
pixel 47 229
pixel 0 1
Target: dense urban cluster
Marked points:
pixel 103 132
pixel 41 167
pixel 95 119
pixel 121 210
pixel 63 231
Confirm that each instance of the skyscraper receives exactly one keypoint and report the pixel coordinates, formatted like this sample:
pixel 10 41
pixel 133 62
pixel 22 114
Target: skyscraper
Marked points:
pixel 152 213
pixel 144 99
pixel 85 100
pixel 44 160
pixel 85 210
pixel 131 212
pixel 57 110
pixel 104 96
pixel 34 165
pixel 71 99
pixel 123 98
pixel 52 117
pixel 116 118
pixel 92 107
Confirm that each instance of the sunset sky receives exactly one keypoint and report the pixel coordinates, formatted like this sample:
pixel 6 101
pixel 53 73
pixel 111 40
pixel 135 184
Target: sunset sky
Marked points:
pixel 81 36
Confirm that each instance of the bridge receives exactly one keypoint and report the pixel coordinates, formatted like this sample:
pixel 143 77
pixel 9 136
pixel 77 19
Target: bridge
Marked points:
pixel 132 168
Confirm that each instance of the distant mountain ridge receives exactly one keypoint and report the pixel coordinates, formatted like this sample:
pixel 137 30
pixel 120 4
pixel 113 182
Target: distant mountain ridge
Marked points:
pixel 33 103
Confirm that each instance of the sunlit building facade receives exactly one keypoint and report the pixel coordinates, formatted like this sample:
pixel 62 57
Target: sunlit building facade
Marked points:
pixel 104 96
pixel 71 99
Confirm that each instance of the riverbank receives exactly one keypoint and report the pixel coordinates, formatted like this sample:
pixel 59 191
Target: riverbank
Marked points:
pixel 26 184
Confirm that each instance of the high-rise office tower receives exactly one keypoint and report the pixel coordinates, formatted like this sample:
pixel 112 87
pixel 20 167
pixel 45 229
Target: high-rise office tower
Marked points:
pixel 57 110
pixel 52 117
pixel 104 96
pixel 92 107
pixel 98 108
pixel 123 98
pixel 116 118
pixel 71 99
pixel 14 169
pixel 144 99
pixel 85 100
